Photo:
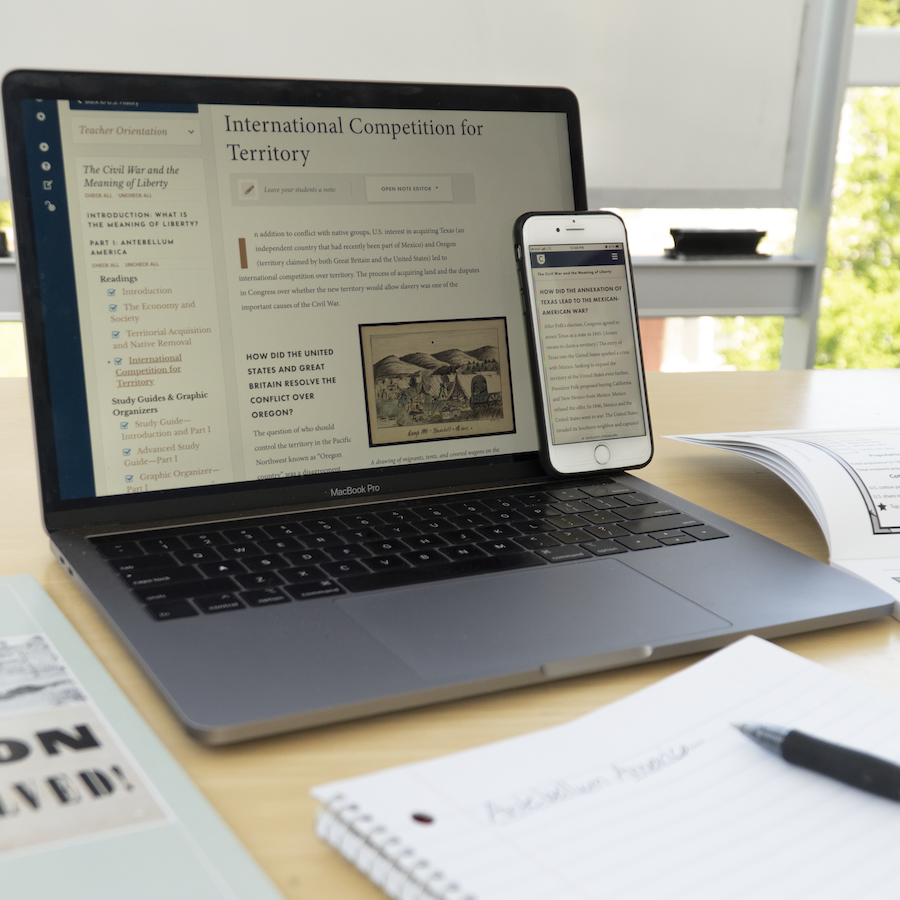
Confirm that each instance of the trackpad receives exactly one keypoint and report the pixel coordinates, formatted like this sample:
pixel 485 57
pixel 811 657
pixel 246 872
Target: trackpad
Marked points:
pixel 521 620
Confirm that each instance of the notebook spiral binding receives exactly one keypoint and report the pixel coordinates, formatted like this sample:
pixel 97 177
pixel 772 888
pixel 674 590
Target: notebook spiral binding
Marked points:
pixel 396 869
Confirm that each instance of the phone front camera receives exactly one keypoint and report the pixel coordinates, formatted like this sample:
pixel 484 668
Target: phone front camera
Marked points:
pixel 557 229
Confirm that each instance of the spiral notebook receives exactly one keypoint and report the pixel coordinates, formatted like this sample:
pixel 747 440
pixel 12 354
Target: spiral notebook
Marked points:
pixel 656 795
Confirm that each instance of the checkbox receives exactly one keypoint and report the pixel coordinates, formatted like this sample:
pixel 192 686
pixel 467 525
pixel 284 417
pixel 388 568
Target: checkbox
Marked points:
pixel 118 360
pixel 129 478
pixel 110 292
pixel 123 425
pixel 115 334
pixel 126 451
pixel 113 307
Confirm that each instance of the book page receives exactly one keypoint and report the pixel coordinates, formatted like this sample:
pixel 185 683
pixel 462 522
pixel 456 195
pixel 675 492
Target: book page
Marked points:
pixel 849 480
pixel 655 795
pixel 65 774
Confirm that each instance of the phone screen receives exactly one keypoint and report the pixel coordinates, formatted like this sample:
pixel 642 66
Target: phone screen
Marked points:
pixel 585 324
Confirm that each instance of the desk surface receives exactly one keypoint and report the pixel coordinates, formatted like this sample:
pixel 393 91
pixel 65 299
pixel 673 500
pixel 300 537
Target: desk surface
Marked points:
pixel 261 788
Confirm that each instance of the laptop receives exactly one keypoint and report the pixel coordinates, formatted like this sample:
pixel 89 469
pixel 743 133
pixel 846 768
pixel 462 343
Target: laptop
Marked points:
pixel 283 411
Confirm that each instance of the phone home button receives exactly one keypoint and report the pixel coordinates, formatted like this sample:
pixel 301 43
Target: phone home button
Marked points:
pixel 602 454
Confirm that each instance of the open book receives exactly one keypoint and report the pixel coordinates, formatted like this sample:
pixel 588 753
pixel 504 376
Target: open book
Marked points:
pixel 850 480
pixel 656 795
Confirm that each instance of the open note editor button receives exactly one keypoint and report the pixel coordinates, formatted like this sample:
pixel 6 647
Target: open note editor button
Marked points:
pixel 409 188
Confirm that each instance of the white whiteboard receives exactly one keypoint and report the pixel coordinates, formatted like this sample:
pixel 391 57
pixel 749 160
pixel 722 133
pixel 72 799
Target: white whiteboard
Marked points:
pixel 677 97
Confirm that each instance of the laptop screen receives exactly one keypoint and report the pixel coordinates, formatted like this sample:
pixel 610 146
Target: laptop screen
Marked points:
pixel 240 282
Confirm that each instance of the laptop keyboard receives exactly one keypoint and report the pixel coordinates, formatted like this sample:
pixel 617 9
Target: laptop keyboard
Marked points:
pixel 194 570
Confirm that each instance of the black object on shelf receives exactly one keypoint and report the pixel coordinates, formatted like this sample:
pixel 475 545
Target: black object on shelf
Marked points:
pixel 713 243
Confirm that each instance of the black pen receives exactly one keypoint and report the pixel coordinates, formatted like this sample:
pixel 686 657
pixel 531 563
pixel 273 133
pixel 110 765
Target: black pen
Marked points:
pixel 869 773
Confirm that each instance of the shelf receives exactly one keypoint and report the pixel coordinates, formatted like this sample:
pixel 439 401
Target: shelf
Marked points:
pixel 720 287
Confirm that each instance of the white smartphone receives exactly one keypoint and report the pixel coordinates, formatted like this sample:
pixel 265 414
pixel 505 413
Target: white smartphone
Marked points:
pixel 584 343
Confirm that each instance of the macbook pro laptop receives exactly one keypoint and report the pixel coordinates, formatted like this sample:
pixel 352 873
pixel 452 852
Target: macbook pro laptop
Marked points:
pixel 285 428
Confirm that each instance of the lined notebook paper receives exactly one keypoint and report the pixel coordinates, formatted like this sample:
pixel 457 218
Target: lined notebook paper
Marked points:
pixel 655 795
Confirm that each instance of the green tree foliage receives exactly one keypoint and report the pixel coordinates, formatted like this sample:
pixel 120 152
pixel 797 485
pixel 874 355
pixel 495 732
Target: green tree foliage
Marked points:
pixel 859 317
pixel 878 13
pixel 859 323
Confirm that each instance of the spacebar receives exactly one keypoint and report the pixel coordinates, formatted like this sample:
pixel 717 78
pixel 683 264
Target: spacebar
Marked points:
pixel 401 577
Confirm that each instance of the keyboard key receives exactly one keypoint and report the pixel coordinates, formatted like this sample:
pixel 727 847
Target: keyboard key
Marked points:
pixel 142 563
pixel 647 509
pixel 472 520
pixel 637 499
pixel 395 545
pixel 601 517
pixel 565 521
pixel 264 563
pixel 677 539
pixel 285 530
pixel 301 573
pixel 114 549
pixel 604 503
pixel 385 563
pixel 464 552
pixel 494 548
pixel 403 514
pixel 242 535
pixel 265 597
pixel 309 590
pixel 466 507
pixel 537 541
pixel 424 557
pixel 605 531
pixel 573 493
pixel 604 548
pixel 466 536
pixel 197 555
pixel 349 551
pixel 162 544
pixel 158 577
pixel 222 567
pixel 236 551
pixel 183 590
pixel 500 531
pixel 421 541
pixel 358 535
pixel 369 520
pixel 397 529
pixel 571 536
pixel 570 507
pixel 534 526
pixel 259 579
pixel 661 523
pixel 180 609
pixel 204 539
pixel 705 533
pixel 305 557
pixel 564 553
pixel 344 567
pixel 319 525
pixel 323 539
pixel 277 545
pixel 638 542
pixel 501 516
pixel 219 603
pixel 612 489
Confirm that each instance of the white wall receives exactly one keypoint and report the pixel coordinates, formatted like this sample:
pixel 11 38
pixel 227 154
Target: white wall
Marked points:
pixel 685 94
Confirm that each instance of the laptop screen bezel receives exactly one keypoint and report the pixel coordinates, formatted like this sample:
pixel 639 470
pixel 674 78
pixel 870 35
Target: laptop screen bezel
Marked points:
pixel 242 497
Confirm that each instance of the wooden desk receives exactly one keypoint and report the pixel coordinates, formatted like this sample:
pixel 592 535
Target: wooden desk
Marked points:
pixel 260 788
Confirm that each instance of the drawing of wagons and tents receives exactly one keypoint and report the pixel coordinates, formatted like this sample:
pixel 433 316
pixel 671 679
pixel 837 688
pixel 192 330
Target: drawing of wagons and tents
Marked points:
pixel 481 393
